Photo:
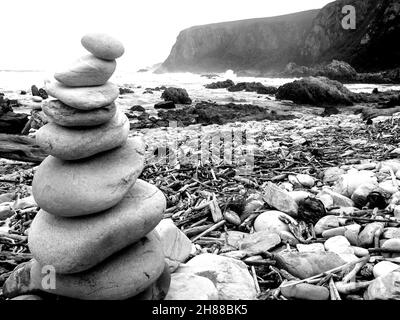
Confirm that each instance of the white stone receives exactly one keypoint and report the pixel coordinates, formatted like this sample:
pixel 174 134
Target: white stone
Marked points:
pixel 188 286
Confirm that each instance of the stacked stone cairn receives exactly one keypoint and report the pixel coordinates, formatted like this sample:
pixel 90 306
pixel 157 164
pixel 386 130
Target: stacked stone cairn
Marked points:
pixel 95 226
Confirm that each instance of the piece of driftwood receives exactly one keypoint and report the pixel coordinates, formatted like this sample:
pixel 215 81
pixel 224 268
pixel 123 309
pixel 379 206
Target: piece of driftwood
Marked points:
pixel 20 148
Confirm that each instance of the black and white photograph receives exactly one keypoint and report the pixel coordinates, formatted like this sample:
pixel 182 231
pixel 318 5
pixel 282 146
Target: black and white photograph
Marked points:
pixel 209 156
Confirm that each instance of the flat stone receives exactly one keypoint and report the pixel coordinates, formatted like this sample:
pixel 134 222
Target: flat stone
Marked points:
pixel 270 221
pixel 338 199
pixel 230 276
pixel 73 144
pixel 84 98
pixel 87 71
pixel 103 46
pixel 75 245
pixel 188 286
pixel 176 245
pixel 307 264
pixel 121 276
pixel 76 188
pixel 280 199
pixel 259 242
pixel 304 291
pixel 63 115
pixel 313 247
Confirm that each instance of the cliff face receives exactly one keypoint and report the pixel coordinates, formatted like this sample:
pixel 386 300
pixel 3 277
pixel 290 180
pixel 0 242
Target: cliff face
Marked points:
pixel 259 46
pixel 247 45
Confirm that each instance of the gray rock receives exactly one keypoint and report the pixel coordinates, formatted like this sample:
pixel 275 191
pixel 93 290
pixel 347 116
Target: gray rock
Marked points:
pixel 326 223
pixel 280 199
pixel 76 188
pixel 230 276
pixel 259 242
pixel 304 291
pixel 75 245
pixel 103 46
pixel 386 287
pixel 63 115
pixel 84 98
pixel 188 286
pixel 366 236
pixel 270 221
pixel 307 264
pixel 86 72
pixel 73 143
pixel 176 245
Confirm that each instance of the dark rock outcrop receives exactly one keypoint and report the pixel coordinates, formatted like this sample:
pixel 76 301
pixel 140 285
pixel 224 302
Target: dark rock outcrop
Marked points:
pixel 263 46
pixel 176 95
pixel 137 108
pixel 125 90
pixel 253 87
pixel 165 105
pixel 318 91
pixel 11 122
pixel 220 84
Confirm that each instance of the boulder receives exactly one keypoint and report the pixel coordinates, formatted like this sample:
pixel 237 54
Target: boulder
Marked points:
pixel 176 95
pixel 165 105
pixel 270 221
pixel 176 245
pixel 68 244
pixel 65 116
pixel 78 143
pixel 304 291
pixel 386 287
pixel 280 199
pixel 87 71
pixel 188 286
pixel 103 46
pixel 307 264
pixel 230 276
pixel 121 276
pixel 84 98
pixel 316 91
pixel 75 188
pixel 259 242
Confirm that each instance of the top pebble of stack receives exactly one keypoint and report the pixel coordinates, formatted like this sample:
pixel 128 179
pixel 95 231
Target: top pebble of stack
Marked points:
pixel 103 46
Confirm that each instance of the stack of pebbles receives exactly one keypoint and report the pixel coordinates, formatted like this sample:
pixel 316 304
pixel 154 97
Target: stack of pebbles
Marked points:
pixel 95 226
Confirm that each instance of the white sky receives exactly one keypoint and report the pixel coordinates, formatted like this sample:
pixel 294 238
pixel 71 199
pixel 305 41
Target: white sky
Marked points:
pixel 43 34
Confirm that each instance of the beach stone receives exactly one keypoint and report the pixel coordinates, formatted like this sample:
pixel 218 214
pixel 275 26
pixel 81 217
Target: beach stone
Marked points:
pixel 388 186
pixel 270 221
pixel 302 180
pixel 393 244
pixel 87 71
pixel 304 291
pixel 385 287
pixel 288 237
pixel 6 212
pixel 73 144
pixel 37 99
pixel 76 188
pixel 103 46
pixel 280 199
pixel 307 264
pixel 338 199
pixel 332 174
pixel 121 276
pixel 326 200
pixel 360 252
pixel 341 246
pixel 313 247
pixel 300 195
pixel 386 166
pixel 326 223
pixel 366 236
pixel 230 276
pixel 233 238
pixel 68 244
pixel 232 217
pixel 188 286
pixel 158 290
pixel 391 232
pixel 84 98
pixel 237 254
pixel 349 182
pixel 340 231
pixel 65 116
pixel 351 234
pixel 384 267
pixel 259 242
pixel 176 245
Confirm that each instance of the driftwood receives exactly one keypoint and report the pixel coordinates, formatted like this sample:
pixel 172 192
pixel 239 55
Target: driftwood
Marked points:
pixel 20 148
